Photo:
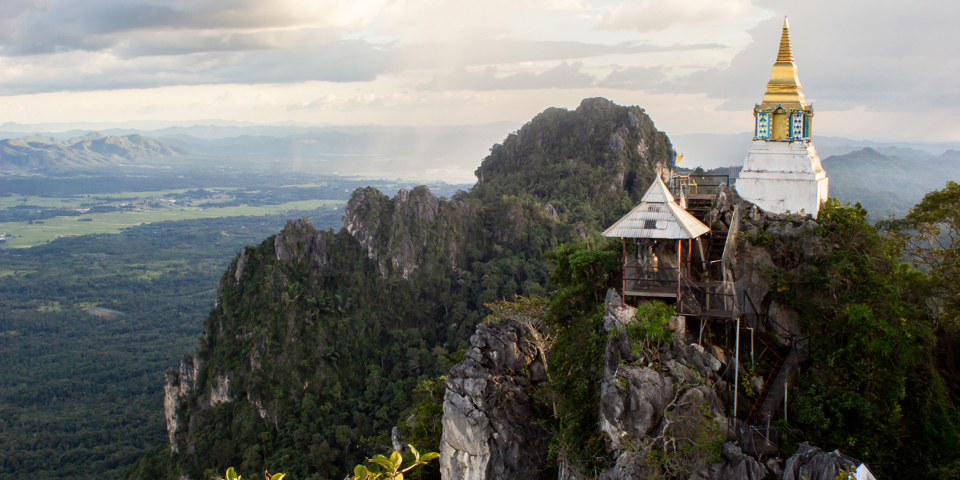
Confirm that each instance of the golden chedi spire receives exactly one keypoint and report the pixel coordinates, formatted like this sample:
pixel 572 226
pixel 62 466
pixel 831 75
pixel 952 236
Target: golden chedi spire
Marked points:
pixel 784 86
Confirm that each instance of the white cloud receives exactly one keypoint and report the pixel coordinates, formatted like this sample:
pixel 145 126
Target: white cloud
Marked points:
pixel 321 103
pixel 437 61
pixel 657 15
pixel 564 75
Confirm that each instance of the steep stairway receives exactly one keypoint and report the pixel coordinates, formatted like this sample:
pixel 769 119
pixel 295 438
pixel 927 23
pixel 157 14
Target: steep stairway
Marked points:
pixel 699 204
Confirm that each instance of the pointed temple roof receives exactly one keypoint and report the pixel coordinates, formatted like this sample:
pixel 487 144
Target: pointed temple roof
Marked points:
pixel 784 85
pixel 659 217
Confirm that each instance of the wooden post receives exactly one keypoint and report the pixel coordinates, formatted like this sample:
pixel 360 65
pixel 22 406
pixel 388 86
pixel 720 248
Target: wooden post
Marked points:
pixel 679 257
pixel 636 258
pixel 624 298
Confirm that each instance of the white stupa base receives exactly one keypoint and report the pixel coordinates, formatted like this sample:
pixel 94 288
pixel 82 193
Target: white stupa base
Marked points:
pixel 781 177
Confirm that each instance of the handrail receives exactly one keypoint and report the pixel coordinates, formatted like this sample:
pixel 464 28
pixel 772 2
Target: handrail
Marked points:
pixel 753 429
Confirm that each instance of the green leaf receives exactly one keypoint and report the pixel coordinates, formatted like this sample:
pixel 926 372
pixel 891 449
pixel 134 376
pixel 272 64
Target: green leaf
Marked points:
pixel 360 472
pixel 429 456
pixel 387 464
pixel 278 476
pixel 231 474
pixel 416 454
pixel 396 459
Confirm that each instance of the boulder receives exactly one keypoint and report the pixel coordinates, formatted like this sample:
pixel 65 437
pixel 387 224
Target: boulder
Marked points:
pixel 738 466
pixel 489 428
pixel 785 322
pixel 812 463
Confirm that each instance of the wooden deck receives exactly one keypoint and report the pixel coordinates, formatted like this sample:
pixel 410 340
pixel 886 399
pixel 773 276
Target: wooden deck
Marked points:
pixel 658 292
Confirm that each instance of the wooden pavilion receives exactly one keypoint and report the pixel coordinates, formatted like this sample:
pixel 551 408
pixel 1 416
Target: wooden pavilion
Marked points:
pixel 657 227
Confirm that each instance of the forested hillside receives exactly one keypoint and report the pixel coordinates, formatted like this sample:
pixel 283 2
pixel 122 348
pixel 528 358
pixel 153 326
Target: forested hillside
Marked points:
pixel 87 325
pixel 891 182
pixel 319 337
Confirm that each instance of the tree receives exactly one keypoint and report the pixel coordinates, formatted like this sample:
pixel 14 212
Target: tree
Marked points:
pixel 930 236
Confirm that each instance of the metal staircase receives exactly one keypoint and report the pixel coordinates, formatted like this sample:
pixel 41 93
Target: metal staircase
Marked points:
pixel 775 386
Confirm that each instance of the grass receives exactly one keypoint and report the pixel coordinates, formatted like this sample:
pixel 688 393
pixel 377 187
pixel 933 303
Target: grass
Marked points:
pixel 25 235
pixel 46 202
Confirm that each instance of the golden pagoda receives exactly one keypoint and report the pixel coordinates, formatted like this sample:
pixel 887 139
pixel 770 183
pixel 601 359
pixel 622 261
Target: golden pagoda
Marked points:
pixel 783 115
pixel 782 172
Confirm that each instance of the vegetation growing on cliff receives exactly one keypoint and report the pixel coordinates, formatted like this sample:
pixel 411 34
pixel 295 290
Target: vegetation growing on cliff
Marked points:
pixel 321 356
pixel 582 274
pixel 874 389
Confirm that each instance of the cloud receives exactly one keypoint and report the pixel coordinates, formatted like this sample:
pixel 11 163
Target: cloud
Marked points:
pixel 657 15
pixel 498 51
pixel 634 78
pixel 341 61
pixel 41 27
pixel 289 56
pixel 564 75
pixel 319 104
pixel 892 57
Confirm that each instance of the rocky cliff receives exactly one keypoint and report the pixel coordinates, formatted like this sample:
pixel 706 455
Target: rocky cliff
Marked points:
pixel 318 337
pixel 489 427
pixel 661 413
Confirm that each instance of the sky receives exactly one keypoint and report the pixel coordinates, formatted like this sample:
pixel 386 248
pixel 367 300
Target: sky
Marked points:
pixel 874 70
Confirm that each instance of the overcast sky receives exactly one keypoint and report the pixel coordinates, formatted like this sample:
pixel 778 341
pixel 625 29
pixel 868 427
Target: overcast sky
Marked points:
pixel 874 70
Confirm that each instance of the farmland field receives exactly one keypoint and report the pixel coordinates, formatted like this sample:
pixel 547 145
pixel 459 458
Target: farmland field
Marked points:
pixel 27 234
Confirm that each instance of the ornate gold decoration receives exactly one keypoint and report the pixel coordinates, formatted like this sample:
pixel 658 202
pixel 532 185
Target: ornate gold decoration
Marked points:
pixel 784 85
pixel 783 115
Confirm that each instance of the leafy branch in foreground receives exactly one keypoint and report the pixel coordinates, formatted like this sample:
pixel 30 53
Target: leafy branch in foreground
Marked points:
pixel 389 468
pixel 232 475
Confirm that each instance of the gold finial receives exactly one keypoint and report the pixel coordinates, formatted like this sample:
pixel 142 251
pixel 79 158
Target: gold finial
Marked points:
pixel 784 55
pixel 784 86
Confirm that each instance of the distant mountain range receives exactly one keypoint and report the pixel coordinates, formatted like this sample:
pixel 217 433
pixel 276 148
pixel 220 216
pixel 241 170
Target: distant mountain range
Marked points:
pixel 710 150
pixel 449 153
pixel 40 154
pixel 889 181
pixel 886 178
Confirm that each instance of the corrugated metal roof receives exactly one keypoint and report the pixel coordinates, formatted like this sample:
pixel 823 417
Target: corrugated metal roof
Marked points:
pixel 657 193
pixel 658 216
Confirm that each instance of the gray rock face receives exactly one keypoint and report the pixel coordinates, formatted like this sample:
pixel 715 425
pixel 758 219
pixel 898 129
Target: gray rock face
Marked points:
pixel 241 263
pixel 785 322
pixel 176 386
pixel 489 429
pixel 752 275
pixel 392 230
pixel 651 397
pixel 633 401
pixel 629 466
pixel 616 315
pixel 297 242
pixel 362 217
pixel 551 212
pixel 739 466
pixel 812 463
